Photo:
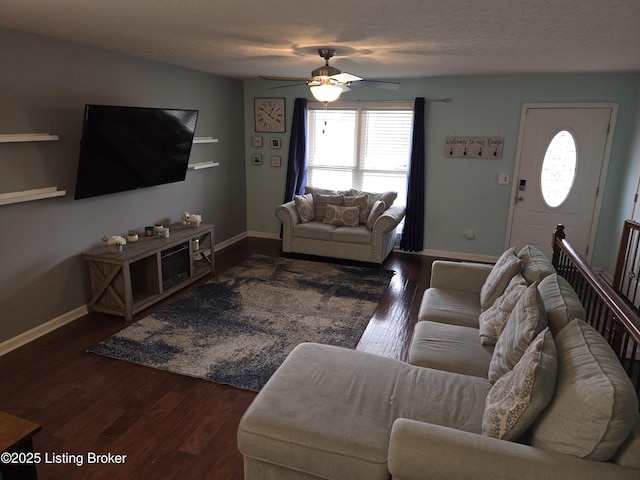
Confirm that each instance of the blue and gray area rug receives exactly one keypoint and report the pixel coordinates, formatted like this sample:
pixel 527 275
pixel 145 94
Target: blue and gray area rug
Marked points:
pixel 238 328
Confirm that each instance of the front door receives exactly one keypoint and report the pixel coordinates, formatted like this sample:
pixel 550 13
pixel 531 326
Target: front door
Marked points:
pixel 560 173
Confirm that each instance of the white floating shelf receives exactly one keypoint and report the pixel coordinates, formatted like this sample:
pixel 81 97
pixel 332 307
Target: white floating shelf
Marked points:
pixel 205 140
pixel 200 166
pixel 27 137
pixel 28 195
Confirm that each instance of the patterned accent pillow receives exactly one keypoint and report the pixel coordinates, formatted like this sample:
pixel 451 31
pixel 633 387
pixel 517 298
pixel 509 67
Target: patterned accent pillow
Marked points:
pixel 519 396
pixel 305 208
pixel 321 202
pixel 378 209
pixel 493 319
pixel 501 274
pixel 527 320
pixel 346 216
pixel 360 201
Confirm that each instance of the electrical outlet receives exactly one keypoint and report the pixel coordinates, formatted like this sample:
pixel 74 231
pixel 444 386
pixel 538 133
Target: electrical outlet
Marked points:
pixel 470 235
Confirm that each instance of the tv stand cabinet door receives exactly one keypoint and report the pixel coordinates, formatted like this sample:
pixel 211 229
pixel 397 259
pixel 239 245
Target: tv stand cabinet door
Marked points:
pixel 110 287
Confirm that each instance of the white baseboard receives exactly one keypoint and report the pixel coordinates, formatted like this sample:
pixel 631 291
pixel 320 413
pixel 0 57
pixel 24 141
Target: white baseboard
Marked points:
pixel 41 330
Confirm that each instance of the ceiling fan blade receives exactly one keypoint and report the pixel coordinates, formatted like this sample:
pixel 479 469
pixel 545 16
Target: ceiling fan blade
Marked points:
pixel 376 84
pixel 287 86
pixel 283 79
pixel 345 77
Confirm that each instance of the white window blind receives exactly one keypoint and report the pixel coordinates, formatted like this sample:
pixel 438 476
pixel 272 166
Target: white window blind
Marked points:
pixel 362 146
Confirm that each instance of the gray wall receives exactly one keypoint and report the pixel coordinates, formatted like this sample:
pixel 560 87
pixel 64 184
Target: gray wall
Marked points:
pixel 44 85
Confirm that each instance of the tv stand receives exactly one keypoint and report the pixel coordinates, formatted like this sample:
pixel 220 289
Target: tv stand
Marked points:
pixel 148 270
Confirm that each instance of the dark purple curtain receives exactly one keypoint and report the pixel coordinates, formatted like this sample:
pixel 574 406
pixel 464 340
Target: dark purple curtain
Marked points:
pixel 413 232
pixel 297 163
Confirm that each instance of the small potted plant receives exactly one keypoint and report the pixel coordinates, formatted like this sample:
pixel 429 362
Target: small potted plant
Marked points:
pixel 194 220
pixel 115 243
pixel 132 236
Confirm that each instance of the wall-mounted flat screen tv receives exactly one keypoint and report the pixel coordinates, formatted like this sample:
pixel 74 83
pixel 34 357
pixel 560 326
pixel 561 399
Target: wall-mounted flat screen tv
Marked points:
pixel 126 148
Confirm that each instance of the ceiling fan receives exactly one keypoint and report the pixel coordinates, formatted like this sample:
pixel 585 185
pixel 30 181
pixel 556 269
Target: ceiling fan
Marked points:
pixel 327 83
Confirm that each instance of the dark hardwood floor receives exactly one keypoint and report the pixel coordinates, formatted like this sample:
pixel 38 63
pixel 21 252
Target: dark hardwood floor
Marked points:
pixel 168 426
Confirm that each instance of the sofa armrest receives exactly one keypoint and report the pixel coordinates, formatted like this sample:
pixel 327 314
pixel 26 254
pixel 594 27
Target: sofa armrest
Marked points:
pixel 389 219
pixel 463 276
pixel 419 449
pixel 288 215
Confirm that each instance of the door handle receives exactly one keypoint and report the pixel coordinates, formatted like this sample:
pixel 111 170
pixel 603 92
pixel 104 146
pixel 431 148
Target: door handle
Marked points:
pixel 519 198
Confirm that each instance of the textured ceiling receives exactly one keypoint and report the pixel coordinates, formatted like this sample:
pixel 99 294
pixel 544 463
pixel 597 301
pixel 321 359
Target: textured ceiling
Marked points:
pixel 375 39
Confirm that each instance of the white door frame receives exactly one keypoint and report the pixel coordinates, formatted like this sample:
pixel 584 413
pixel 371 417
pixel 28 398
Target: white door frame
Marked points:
pixel 603 172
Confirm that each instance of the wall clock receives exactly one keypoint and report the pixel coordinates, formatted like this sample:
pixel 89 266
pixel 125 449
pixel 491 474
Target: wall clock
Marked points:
pixel 270 115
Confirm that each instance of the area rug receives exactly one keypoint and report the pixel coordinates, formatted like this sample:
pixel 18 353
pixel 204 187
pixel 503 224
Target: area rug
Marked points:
pixel 238 328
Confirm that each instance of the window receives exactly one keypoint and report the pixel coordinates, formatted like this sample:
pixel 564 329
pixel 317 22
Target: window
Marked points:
pixel 558 169
pixel 361 146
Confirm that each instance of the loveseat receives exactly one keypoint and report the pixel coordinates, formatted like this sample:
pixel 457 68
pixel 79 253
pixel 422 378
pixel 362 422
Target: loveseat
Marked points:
pixel 350 224
pixel 541 396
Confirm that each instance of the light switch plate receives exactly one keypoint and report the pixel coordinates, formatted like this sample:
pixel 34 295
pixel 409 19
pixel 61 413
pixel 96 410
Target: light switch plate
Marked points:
pixel 503 179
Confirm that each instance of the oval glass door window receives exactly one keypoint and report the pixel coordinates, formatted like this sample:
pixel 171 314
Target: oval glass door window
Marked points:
pixel 558 169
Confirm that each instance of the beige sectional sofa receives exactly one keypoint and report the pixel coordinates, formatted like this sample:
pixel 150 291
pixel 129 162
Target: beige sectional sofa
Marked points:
pixel 540 396
pixel 351 224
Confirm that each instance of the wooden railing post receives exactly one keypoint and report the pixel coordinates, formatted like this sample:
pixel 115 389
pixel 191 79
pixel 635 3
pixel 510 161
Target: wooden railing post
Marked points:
pixel 558 234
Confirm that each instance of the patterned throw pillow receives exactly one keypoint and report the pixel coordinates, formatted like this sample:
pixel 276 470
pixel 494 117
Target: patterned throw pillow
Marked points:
pixel 501 274
pixel 360 201
pixel 321 202
pixel 378 209
pixel 305 208
pixel 519 396
pixel 493 320
pixel 527 320
pixel 346 216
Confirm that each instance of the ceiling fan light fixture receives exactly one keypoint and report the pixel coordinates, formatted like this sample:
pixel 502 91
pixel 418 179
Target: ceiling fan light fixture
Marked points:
pixel 327 92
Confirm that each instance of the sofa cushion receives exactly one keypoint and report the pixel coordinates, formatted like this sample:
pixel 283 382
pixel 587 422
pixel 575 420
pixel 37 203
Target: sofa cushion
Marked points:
pixel 535 264
pixel 314 230
pixel 628 455
pixel 527 320
pixel 440 398
pixel 377 209
pixel 595 406
pixel 501 274
pixel 518 397
pixel 325 191
pixel 305 207
pixel 321 201
pixel 449 347
pixel 493 320
pixel 361 202
pixel 560 301
pixel 454 307
pixel 387 197
pixel 337 215
pixel 358 234
pixel 327 412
